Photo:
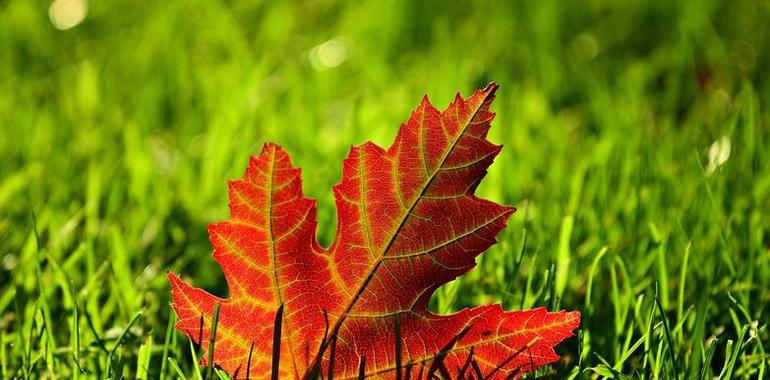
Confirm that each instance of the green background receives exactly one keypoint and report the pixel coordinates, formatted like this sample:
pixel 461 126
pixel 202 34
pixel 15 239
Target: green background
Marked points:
pixel 117 137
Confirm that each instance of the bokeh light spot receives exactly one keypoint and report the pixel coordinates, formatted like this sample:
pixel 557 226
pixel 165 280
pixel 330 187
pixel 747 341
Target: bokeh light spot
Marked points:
pixel 328 55
pixel 66 14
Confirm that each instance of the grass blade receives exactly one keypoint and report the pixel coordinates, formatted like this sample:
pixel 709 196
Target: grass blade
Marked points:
pixel 212 341
pixel 277 325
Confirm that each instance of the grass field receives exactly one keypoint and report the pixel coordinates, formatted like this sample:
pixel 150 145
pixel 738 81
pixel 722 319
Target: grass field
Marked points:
pixel 637 150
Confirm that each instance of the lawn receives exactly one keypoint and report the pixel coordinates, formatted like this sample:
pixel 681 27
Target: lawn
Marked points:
pixel 636 148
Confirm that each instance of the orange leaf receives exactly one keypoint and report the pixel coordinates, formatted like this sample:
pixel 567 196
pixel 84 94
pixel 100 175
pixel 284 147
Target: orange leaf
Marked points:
pixel 408 222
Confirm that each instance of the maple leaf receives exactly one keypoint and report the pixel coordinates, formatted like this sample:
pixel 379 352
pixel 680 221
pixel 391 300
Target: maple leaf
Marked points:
pixel 407 223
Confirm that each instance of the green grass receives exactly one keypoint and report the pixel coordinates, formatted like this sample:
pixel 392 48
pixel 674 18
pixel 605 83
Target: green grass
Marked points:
pixel 117 137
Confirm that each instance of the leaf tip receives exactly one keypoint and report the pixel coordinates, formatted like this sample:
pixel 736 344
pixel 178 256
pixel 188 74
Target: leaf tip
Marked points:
pixel 574 318
pixel 268 146
pixel 172 277
pixel 490 88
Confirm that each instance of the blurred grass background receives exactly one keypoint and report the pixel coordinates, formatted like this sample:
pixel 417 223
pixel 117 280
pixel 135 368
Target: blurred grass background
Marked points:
pixel 636 150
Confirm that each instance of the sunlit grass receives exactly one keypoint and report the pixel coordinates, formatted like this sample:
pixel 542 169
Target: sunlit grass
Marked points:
pixel 636 150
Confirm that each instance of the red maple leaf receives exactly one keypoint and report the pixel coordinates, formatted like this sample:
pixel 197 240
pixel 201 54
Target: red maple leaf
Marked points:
pixel 408 222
